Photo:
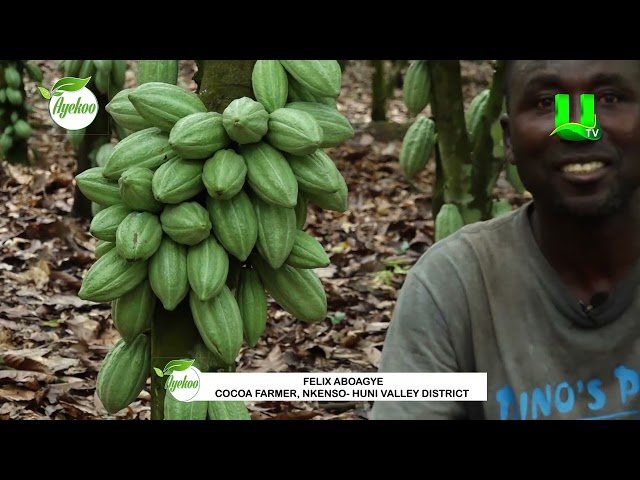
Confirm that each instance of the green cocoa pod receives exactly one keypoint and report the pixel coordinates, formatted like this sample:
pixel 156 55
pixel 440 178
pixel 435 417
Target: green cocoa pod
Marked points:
pixel 252 301
pixel 22 129
pixel 245 120
pixel 125 114
pixel 307 252
pixel 102 79
pixel 132 313
pixel 138 236
pixel 234 224
pixel 95 208
pixel 320 77
pixel 87 69
pixel 187 222
pixel 227 410
pixel 474 113
pixel 299 291
pixel 302 210
pixel 163 104
pixel 269 174
pixel 293 131
pixel 220 325
pixel 417 147
pixel 103 66
pixel 136 190
pixel 315 173
pixel 72 68
pixel 207 268
pixel 448 221
pixel 104 225
pixel 147 148
pixel 6 142
pixel 336 128
pixel 102 247
pixel 165 71
pixel 97 188
pixel 298 93
pixel 199 135
pixel 177 410
pixel 337 201
pixel 111 277
pixel 12 77
pixel 34 72
pixel 103 153
pixel 270 84
pixel 119 73
pixel 276 231
pixel 416 88
pixel 168 273
pixel 224 174
pixel 177 180
pixel 14 96
pixel 124 373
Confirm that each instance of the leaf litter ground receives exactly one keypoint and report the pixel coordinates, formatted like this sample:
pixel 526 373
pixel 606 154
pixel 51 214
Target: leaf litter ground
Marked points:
pixel 52 343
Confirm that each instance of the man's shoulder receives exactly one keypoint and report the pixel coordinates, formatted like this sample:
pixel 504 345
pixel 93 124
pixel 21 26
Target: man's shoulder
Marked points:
pixel 473 246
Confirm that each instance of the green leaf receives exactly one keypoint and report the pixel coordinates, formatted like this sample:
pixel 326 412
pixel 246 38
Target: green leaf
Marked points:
pixel 177 366
pixel 70 84
pixel 45 93
pixel 158 372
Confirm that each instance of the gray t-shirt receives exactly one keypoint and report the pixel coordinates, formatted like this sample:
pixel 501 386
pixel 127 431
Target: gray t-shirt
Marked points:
pixel 486 300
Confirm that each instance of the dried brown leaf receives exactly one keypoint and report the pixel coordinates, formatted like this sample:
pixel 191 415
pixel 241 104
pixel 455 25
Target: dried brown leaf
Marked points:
pixel 29 380
pixel 10 393
pixel 19 362
pixel 274 362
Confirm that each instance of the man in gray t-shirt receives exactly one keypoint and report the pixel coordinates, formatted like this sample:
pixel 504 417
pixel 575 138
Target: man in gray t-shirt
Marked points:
pixel 545 299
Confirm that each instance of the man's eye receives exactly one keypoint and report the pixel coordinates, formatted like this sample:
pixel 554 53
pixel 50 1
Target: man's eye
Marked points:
pixel 609 98
pixel 545 102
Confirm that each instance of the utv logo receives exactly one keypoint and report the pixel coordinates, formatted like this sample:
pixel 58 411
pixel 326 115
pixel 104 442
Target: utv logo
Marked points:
pixel 183 381
pixel 587 129
pixel 71 104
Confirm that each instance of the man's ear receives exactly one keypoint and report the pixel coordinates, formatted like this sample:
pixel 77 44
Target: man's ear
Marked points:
pixel 506 137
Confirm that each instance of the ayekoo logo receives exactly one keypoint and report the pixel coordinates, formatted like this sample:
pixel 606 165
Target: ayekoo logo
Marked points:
pixel 587 129
pixel 71 104
pixel 183 381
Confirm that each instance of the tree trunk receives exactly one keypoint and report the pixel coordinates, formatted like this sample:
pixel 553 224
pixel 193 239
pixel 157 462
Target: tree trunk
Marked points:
pixel 453 143
pixel 379 92
pixel 173 334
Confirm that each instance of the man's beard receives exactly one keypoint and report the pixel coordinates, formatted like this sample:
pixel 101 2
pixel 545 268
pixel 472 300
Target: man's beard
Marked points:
pixel 616 200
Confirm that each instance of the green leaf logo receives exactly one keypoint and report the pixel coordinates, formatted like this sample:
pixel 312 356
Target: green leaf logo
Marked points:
pixel 174 366
pixel 66 84
pixel 70 84
pixel 45 93
pixel 578 132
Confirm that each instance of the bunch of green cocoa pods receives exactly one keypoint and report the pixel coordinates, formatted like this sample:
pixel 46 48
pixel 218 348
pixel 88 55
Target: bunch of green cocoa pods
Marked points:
pixel 210 208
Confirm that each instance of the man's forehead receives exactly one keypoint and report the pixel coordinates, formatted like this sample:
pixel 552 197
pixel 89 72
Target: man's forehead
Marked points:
pixel 524 70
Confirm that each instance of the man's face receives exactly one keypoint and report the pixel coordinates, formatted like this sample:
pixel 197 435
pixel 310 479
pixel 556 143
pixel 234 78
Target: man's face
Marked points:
pixel 609 170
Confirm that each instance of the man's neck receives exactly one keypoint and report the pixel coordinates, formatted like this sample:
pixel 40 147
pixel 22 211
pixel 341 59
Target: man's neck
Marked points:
pixel 590 256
